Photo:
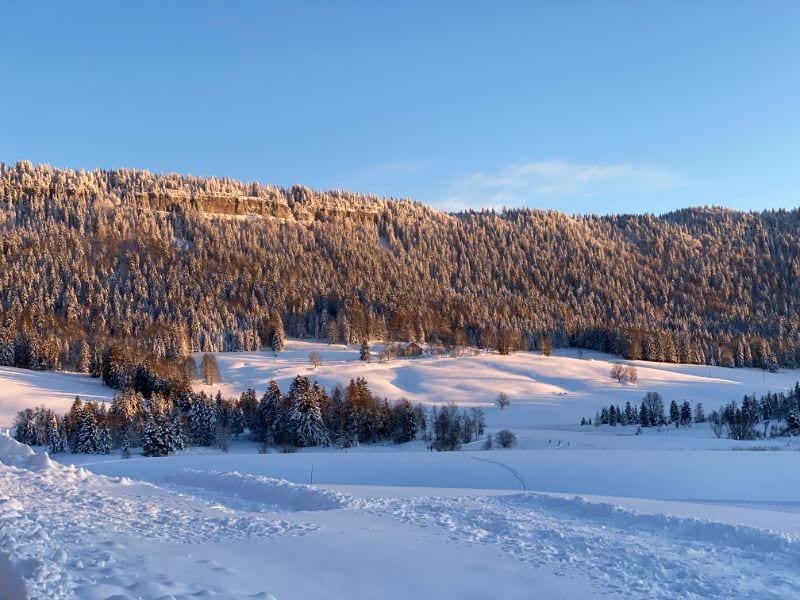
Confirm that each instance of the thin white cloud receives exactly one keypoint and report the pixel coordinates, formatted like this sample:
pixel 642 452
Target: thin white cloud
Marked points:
pixel 550 182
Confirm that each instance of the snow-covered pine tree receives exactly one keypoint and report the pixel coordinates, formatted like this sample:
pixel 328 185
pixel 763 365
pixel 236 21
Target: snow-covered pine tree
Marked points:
pixel 686 414
pixel 277 334
pixel 87 432
pixel 55 441
pixel 202 421
pixel 699 413
pixel 104 444
pixel 644 415
pixel 674 413
pixel 179 439
pixel 404 422
pixel 157 434
pixel 84 357
pixel 306 416
pixel 25 427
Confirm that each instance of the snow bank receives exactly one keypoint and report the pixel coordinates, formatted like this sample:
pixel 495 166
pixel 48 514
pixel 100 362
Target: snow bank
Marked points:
pixel 629 554
pixel 14 454
pixel 679 528
pixel 277 494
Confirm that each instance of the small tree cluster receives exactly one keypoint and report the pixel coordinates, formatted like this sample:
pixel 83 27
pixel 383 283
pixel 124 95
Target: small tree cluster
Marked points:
pixel 83 430
pixel 777 414
pixel 505 438
pixel 451 427
pixel 623 373
pixel 309 416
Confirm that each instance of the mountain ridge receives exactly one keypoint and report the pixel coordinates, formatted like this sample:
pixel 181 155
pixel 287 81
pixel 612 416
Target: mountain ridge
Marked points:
pixel 134 258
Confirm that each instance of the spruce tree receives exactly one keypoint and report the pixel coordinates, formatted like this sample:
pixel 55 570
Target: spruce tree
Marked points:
pixel 644 415
pixel 271 418
pixel 202 421
pixel 686 414
pixel 277 334
pixel 674 413
pixel 87 432
pixel 305 416
pixel 699 413
pixel 157 436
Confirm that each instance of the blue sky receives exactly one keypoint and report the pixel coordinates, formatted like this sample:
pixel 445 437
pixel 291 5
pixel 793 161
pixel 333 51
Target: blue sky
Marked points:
pixel 613 106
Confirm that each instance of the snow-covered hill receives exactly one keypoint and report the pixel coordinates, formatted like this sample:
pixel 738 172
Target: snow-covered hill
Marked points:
pixel 545 391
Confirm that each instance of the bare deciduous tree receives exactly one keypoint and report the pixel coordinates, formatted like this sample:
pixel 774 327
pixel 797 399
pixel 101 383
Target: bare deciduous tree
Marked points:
pixel 209 369
pixel 315 359
pixel 189 368
pixel 618 372
pixel 622 373
pixel 502 400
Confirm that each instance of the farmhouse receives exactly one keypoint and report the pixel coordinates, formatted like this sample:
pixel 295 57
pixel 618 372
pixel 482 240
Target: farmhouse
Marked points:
pixel 416 349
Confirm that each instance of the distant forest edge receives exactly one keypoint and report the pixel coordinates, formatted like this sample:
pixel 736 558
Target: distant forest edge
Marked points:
pixel 150 267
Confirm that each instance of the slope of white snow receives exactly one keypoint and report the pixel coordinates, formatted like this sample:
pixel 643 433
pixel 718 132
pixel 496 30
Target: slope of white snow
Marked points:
pixel 545 391
pixel 66 532
pixel 21 389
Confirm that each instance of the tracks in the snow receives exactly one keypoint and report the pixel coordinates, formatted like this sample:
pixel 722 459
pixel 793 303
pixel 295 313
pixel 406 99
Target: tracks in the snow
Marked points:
pixel 523 484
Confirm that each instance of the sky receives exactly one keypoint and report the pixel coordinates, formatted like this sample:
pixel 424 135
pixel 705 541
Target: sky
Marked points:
pixel 580 106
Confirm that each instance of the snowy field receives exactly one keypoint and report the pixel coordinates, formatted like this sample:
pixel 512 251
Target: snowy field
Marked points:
pixel 545 392
pixel 573 512
pixel 21 389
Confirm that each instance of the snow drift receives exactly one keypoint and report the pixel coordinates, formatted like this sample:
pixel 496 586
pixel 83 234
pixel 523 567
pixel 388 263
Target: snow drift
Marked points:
pixel 274 494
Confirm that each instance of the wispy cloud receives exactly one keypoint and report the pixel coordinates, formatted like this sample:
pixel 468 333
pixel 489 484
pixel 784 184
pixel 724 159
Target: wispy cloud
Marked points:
pixel 550 182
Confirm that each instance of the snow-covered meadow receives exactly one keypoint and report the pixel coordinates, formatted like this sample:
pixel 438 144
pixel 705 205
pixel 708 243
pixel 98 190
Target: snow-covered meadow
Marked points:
pixel 572 512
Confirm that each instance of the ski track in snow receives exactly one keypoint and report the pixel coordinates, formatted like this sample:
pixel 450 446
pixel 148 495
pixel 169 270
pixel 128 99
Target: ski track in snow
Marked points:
pixel 66 532
pixel 523 484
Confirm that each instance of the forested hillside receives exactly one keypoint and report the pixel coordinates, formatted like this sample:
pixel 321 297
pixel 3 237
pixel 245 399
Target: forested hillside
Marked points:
pixel 158 266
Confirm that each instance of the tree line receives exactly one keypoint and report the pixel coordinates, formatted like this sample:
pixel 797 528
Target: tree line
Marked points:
pixel 771 415
pixel 307 415
pixel 650 413
pixel 774 414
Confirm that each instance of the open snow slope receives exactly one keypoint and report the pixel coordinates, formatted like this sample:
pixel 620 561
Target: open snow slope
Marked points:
pixel 21 389
pixel 66 532
pixel 544 391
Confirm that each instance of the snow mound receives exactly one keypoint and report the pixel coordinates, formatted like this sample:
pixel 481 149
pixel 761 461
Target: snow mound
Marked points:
pixel 14 454
pixel 68 533
pixel 719 534
pixel 277 494
pixel 10 448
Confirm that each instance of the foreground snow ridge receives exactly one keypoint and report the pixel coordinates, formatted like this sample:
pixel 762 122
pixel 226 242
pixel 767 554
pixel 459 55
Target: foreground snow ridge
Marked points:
pixel 68 533
pixel 266 493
